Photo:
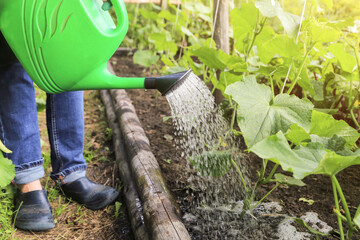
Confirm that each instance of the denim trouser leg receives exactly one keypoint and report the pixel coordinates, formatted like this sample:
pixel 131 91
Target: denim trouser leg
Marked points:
pixel 19 127
pixel 65 121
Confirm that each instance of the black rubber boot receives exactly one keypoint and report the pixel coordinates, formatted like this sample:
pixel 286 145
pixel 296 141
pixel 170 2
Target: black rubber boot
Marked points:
pixel 92 195
pixel 35 212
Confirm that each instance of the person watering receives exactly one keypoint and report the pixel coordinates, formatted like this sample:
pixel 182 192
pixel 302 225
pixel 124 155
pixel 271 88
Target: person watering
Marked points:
pixel 19 131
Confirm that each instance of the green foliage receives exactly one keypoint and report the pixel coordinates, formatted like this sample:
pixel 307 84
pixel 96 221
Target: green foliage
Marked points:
pixel 145 58
pixel 261 115
pixel 276 73
pixel 7 169
pixel 212 163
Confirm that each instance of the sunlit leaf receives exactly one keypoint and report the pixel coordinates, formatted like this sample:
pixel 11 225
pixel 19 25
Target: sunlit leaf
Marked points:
pixel 297 134
pixel 145 58
pixel 324 125
pixel 259 116
pixel 346 60
pixel 301 161
pixel 7 171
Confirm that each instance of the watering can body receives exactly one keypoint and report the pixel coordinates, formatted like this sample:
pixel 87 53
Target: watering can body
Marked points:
pixel 64 45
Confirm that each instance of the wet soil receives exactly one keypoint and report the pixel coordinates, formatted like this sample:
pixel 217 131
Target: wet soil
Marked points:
pixel 316 196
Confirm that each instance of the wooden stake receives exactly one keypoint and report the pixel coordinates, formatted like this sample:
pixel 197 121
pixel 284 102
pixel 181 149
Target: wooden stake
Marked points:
pixel 221 34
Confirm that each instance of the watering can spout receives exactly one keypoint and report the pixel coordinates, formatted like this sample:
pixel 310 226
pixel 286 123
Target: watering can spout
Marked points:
pixel 165 83
pixel 102 78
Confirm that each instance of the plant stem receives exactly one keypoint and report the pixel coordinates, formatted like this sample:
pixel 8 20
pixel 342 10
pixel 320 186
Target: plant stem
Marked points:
pixel 256 33
pixel 345 206
pixel 272 87
pixel 354 119
pixel 300 69
pixel 271 174
pixel 338 209
pixel 262 199
pixel 240 174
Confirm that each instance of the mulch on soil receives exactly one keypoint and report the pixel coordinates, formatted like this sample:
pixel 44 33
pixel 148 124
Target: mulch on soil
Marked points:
pixel 151 108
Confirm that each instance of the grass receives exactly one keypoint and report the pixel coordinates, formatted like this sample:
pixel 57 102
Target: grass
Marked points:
pixel 7 211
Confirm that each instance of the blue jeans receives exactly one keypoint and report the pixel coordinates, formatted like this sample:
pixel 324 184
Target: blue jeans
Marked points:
pixel 19 129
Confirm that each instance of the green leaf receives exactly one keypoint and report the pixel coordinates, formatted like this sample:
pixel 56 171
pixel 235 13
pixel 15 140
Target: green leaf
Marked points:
pixel 227 78
pixel 283 179
pixel 213 163
pixel 346 60
pixel 357 217
pixel 320 31
pixel 335 143
pixel 40 104
pixel 209 57
pixel 163 42
pixel 259 116
pixel 268 8
pixel 167 15
pixel 145 58
pixel 282 45
pixel 301 161
pixel 7 171
pixel 290 22
pixel 297 134
pixel 332 163
pixel 271 8
pixel 243 20
pixel 325 125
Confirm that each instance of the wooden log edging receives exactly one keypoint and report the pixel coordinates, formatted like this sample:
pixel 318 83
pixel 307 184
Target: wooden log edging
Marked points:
pixel 161 216
pixel 132 199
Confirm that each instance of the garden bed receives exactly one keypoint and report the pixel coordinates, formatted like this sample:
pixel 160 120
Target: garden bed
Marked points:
pixel 316 196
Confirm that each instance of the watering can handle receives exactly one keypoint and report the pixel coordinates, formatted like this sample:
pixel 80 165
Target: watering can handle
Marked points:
pixel 122 17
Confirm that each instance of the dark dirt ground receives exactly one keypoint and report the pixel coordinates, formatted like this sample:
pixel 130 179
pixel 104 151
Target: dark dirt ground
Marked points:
pixel 151 108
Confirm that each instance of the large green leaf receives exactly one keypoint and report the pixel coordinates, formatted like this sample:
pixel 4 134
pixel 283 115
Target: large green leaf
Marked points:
pixel 243 20
pixel 297 134
pixel 7 171
pixel 324 125
pixel 283 179
pixel 332 163
pixel 321 31
pixel 303 160
pixel 145 58
pixel 271 8
pixel 300 161
pixel 210 57
pixel 259 116
pixel 270 44
pixel 346 60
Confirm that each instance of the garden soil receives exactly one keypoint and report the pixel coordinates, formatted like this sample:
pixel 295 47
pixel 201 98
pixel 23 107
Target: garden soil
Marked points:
pixel 315 196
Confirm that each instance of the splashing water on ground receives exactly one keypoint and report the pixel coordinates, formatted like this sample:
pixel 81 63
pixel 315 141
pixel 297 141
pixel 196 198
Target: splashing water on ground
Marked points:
pixel 205 139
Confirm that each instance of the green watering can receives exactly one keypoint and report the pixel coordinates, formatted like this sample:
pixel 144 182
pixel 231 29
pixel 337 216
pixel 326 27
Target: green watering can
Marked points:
pixel 64 45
